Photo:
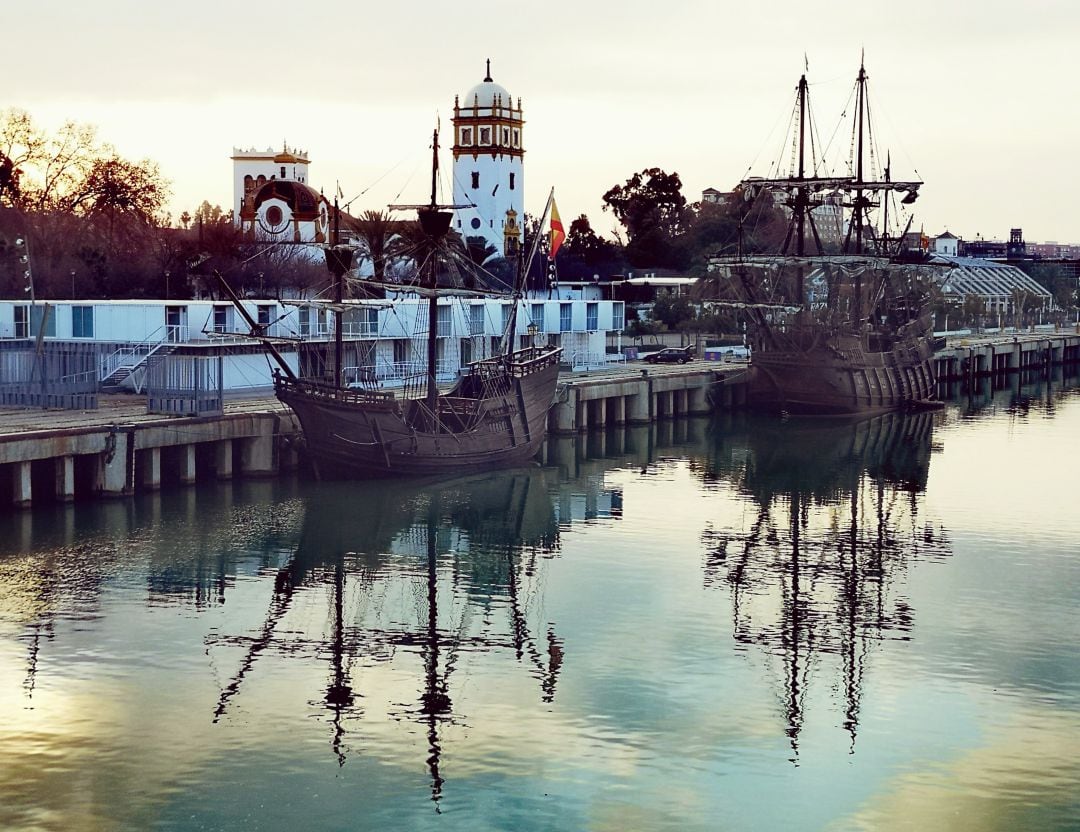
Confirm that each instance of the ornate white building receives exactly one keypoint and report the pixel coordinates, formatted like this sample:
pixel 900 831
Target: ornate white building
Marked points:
pixel 272 200
pixel 488 172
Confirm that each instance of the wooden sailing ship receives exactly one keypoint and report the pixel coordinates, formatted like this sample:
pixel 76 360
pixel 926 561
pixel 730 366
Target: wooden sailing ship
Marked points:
pixel 835 327
pixel 495 415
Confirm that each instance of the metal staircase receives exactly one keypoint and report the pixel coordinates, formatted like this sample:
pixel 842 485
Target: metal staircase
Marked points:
pixel 125 368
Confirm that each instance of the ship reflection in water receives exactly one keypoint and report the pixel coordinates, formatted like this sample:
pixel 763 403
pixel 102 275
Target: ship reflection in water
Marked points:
pixel 419 577
pixel 819 569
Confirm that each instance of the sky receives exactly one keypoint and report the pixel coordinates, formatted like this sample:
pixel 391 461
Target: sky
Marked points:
pixel 975 98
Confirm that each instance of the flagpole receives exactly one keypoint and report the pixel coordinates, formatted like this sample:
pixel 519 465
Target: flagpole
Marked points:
pixel 519 288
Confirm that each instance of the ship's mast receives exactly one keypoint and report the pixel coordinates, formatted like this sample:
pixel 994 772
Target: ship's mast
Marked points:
pixel 800 194
pixel 860 207
pixel 433 300
pixel 339 320
pixel 860 201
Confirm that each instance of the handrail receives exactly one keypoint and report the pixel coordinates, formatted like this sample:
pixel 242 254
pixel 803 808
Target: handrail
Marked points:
pixel 114 361
pixel 587 360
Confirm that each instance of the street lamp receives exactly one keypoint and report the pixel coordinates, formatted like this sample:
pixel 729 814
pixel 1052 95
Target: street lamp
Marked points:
pixel 73 284
pixel 22 244
pixel 166 284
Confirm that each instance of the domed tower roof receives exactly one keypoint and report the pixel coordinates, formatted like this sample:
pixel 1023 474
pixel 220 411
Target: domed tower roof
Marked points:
pixel 302 200
pixel 487 93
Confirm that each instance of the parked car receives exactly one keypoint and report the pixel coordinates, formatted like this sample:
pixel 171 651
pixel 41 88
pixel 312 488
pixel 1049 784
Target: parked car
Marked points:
pixel 670 355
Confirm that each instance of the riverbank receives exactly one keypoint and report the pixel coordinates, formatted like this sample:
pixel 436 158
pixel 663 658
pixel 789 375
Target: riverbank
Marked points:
pixel 58 456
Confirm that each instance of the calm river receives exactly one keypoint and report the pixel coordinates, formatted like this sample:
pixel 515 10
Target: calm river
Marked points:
pixel 740 624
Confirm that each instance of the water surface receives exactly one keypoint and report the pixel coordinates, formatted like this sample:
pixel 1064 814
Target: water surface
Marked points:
pixel 738 624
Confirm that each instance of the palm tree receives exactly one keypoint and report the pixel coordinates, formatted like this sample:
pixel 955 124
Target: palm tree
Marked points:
pixel 375 232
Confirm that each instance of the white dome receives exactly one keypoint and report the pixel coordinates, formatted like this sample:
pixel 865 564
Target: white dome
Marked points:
pixel 487 94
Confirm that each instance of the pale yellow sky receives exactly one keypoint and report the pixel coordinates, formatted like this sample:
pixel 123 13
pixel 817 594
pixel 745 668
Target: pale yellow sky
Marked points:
pixel 974 95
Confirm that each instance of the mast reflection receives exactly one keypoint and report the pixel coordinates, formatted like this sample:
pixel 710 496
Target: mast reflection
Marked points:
pixel 817 569
pixel 450 550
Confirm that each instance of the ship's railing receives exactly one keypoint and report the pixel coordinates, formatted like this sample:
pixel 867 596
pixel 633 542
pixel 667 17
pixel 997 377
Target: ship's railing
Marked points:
pixel 393 373
pixel 328 392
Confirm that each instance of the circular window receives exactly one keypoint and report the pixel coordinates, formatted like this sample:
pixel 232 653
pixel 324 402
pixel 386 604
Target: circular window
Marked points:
pixel 274 216
pixel 475 222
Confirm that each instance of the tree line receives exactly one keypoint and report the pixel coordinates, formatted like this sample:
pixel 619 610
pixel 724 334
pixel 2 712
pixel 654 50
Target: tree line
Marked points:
pixel 90 223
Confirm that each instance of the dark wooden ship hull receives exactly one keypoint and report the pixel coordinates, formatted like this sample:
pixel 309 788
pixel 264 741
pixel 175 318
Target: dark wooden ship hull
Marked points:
pixel 843 377
pixel 496 416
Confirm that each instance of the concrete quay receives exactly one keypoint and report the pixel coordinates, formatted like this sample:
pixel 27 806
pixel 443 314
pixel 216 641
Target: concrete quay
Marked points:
pixel 60 456
pixel 643 393
pixel 973 356
pixel 49 456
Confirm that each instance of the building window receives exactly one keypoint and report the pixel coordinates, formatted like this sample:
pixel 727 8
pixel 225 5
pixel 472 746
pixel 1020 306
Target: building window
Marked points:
pixel 475 180
pixel 466 135
pixel 507 310
pixel 511 181
pixel 517 137
pixel 475 223
pixel 362 322
pixel 249 184
pixel 401 351
pixel 506 136
pixel 282 171
pixel 485 135
pixel 221 319
pixel 592 317
pixel 22 322
pixel 82 322
pixel 263 312
pixel 476 319
pixel 618 316
pixel 174 322
pixel 537 316
pixel 274 216
pixel 466 351
pixel 566 317
pixel 36 313
pixel 443 322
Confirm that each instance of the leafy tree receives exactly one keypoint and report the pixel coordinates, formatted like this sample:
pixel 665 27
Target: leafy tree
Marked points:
pixel 652 209
pixel 672 310
pixel 585 253
pixel 91 216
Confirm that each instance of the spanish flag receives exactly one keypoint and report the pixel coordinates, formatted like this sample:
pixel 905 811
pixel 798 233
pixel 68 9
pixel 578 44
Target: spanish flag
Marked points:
pixel 558 234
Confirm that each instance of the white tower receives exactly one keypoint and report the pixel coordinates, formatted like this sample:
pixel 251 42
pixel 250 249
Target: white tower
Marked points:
pixel 488 170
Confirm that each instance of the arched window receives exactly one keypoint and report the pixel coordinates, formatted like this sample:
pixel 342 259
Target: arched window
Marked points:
pixel 249 184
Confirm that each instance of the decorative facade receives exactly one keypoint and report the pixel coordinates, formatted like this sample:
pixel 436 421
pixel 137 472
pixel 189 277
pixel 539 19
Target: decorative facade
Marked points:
pixel 488 171
pixel 272 200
